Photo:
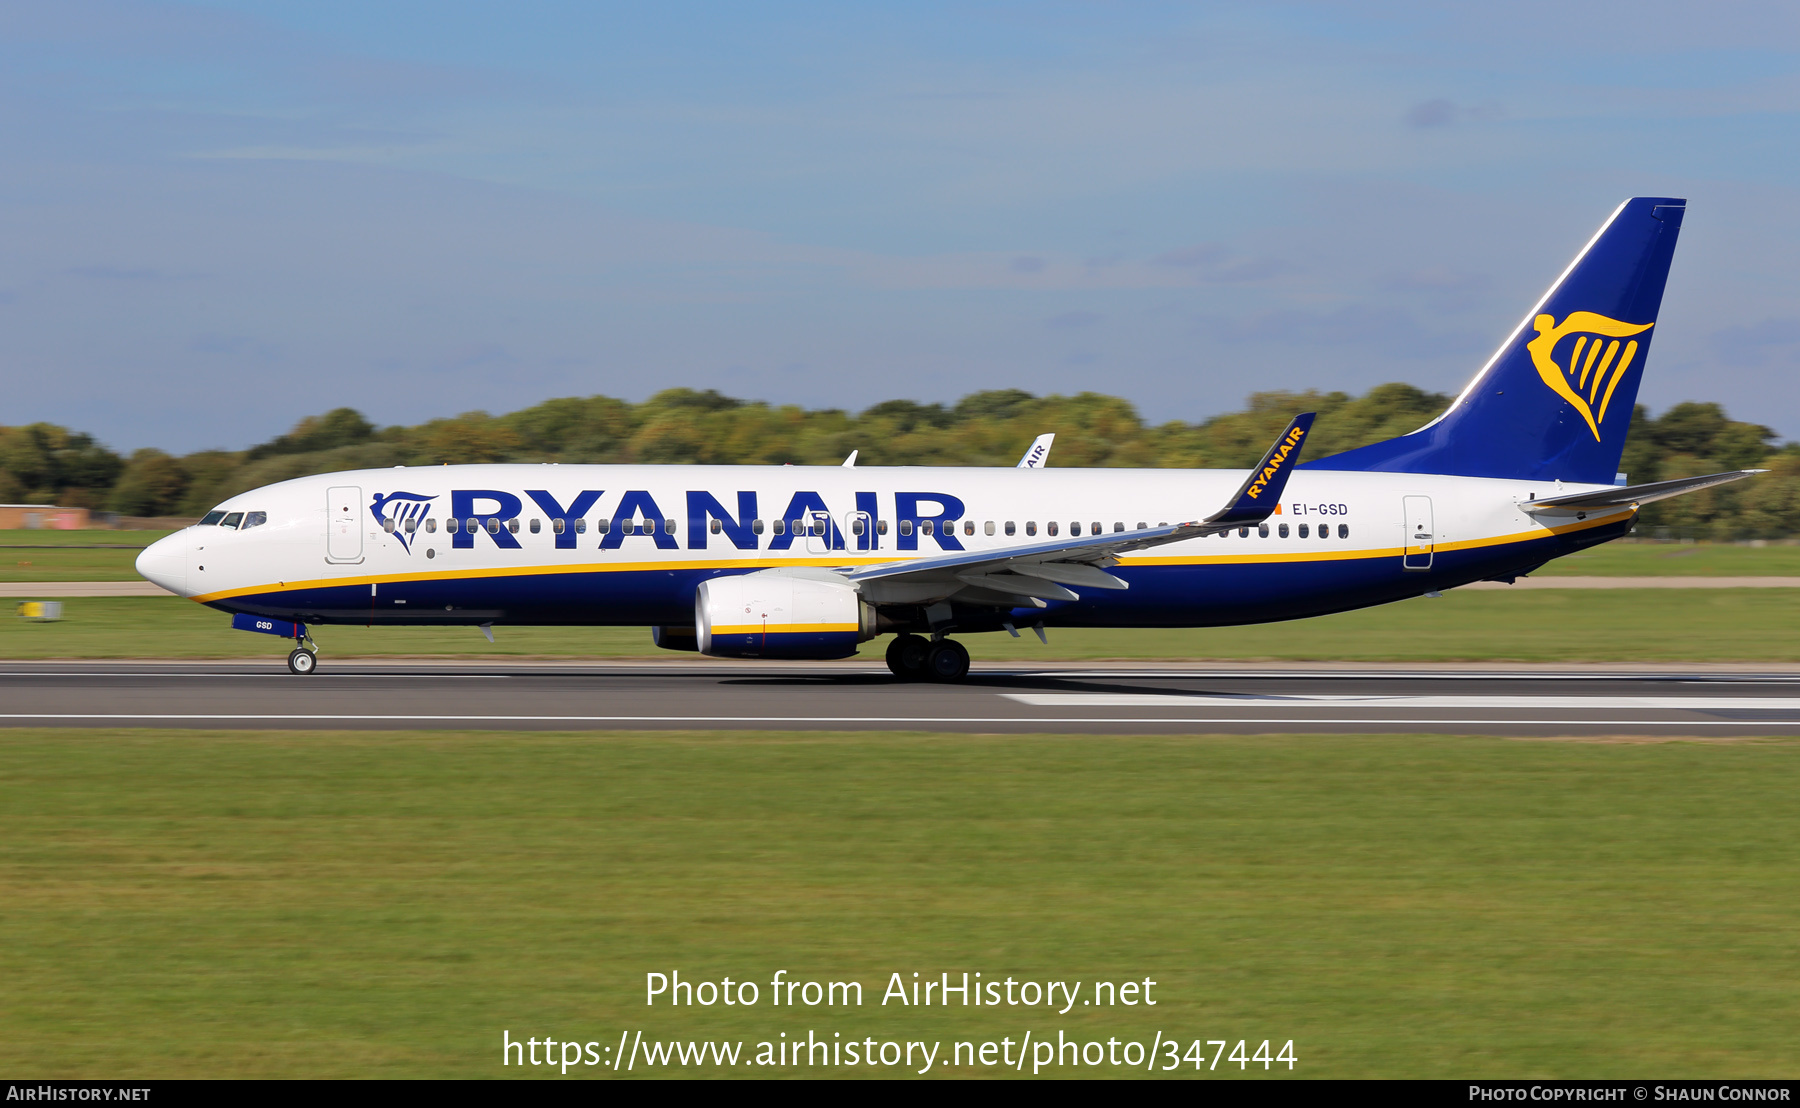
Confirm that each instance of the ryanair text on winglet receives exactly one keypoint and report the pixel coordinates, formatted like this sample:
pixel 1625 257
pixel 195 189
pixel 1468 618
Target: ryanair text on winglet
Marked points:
pixel 1277 459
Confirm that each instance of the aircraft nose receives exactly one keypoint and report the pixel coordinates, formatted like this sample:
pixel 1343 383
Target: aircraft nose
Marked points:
pixel 164 562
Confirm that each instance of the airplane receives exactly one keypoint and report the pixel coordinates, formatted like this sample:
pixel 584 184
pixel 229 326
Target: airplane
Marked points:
pixel 810 562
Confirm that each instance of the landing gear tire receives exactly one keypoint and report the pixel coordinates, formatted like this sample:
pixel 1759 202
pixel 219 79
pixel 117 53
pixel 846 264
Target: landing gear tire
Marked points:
pixel 948 661
pixel 906 657
pixel 303 661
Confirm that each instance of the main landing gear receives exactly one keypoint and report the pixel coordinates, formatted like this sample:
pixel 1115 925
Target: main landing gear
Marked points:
pixel 915 658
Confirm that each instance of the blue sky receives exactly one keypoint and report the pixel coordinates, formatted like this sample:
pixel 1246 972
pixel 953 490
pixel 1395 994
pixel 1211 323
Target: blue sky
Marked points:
pixel 220 217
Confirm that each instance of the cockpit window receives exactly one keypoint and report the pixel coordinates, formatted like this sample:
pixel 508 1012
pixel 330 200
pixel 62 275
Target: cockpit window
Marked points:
pixel 254 519
pixel 232 520
pixel 211 519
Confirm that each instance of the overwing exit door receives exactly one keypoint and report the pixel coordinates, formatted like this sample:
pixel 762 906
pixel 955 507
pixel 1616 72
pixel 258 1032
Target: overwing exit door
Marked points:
pixel 343 527
pixel 1420 537
pixel 819 532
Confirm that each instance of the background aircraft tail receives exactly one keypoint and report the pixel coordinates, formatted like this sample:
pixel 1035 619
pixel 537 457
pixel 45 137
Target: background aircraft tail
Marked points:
pixel 1556 400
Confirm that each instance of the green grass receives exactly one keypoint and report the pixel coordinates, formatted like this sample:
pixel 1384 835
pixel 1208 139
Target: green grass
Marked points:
pixel 25 537
pixel 1670 559
pixel 1563 625
pixel 339 905
pixel 74 555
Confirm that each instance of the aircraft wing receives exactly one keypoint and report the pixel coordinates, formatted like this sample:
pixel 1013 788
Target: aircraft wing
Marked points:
pixel 1039 453
pixel 1628 495
pixel 1029 575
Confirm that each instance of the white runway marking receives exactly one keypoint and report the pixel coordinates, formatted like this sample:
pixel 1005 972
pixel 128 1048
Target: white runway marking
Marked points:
pixel 922 721
pixel 1190 701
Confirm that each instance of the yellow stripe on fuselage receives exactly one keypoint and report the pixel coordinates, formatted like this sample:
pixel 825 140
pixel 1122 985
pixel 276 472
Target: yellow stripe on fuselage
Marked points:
pixel 788 629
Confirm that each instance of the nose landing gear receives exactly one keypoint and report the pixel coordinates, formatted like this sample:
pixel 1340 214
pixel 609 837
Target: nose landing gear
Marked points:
pixel 305 657
pixel 915 658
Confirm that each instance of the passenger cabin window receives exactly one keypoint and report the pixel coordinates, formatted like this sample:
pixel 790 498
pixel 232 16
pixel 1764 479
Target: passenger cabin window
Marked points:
pixel 906 527
pixel 1097 528
pixel 1118 528
pixel 926 526
pixel 1075 529
pixel 211 519
pixel 668 527
pixel 881 527
pixel 1011 528
pixel 988 527
pixel 857 527
pixel 535 526
pixel 716 527
pixel 1303 530
pixel 1141 526
pixel 1243 532
pixel 388 526
pixel 1031 527
pixel 1050 528
pixel 431 526
pixel 969 527
pixel 254 519
pixel 411 526
pixel 756 527
pixel 557 526
pixel 1343 530
pixel 778 526
pixel 1282 531
pixel 232 520
pixel 581 526
pixel 493 525
pixel 1262 530
pixel 513 525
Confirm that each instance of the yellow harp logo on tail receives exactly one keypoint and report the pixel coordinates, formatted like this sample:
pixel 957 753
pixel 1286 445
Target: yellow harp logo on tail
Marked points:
pixel 1596 360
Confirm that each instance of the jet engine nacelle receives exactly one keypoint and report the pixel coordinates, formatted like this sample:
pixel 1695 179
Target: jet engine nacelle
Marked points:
pixel 780 613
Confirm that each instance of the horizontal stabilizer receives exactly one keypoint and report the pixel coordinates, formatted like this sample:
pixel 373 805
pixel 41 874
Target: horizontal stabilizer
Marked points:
pixel 1635 494
pixel 1261 491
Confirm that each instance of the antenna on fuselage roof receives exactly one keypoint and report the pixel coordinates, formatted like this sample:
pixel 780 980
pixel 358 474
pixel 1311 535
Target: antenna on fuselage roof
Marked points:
pixel 851 460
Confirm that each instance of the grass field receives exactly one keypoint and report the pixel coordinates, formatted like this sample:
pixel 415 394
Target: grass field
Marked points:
pixel 339 904
pixel 1666 559
pixel 19 561
pixel 72 555
pixel 1563 625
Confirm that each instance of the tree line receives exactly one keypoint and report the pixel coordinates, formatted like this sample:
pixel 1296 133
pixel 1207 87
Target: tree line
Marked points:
pixel 44 463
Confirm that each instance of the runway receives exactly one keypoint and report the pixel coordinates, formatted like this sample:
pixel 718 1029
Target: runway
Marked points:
pixel 1707 702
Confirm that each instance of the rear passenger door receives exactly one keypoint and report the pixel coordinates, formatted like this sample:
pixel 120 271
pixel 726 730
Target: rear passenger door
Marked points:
pixel 1421 541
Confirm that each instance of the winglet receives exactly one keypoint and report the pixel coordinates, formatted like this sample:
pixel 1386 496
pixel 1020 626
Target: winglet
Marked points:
pixel 1261 491
pixel 1038 454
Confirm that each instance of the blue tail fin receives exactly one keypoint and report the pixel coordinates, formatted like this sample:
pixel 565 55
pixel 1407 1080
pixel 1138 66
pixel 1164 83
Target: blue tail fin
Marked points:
pixel 1555 401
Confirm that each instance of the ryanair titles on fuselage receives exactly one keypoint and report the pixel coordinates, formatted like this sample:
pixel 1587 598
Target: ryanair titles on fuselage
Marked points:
pixel 916 515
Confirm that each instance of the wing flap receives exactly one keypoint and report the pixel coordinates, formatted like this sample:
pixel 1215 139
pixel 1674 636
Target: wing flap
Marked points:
pixel 1013 584
pixel 1071 573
